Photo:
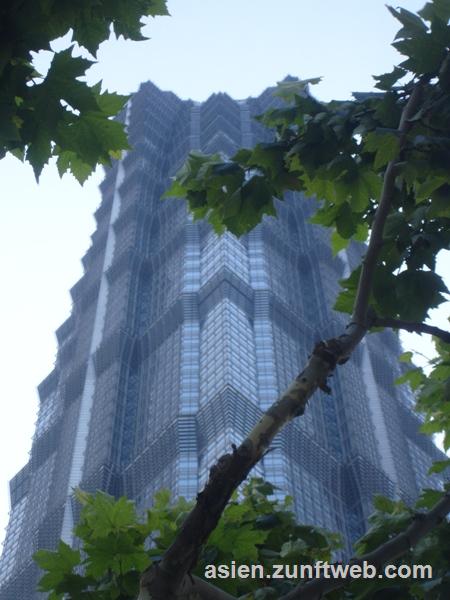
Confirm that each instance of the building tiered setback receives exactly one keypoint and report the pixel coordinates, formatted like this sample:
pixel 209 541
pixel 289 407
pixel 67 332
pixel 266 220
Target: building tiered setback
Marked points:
pixel 179 339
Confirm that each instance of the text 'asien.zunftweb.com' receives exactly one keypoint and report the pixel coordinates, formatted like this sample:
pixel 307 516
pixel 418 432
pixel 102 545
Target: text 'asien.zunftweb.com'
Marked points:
pixel 363 570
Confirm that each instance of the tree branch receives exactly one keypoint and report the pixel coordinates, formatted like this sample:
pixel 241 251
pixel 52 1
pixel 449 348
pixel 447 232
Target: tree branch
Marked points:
pixel 194 587
pixel 163 580
pixel 412 327
pixel 422 524
pixel 369 262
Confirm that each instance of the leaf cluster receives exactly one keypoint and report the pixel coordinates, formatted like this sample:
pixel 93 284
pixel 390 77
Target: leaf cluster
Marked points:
pixel 389 519
pixel 111 555
pixel 115 544
pixel 59 114
pixel 259 528
pixel 433 395
pixel 338 152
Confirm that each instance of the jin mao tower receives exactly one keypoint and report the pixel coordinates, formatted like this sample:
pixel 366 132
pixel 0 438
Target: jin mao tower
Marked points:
pixel 178 339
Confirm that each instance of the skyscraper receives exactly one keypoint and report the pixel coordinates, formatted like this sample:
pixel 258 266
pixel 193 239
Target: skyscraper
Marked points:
pixel 178 339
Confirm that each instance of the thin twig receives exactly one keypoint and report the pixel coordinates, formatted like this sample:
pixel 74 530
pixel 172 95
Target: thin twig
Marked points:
pixel 412 327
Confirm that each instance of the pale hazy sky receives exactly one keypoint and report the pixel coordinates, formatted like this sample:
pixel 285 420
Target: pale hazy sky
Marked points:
pixel 239 47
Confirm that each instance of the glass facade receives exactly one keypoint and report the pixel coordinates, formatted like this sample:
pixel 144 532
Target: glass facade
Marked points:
pixel 179 339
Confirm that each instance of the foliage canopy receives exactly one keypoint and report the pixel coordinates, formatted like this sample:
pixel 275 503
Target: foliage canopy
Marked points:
pixel 59 114
pixel 255 528
pixel 117 545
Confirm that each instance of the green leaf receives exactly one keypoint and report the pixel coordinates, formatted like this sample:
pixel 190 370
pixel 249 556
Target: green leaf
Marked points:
pixel 161 499
pixel 425 53
pixel 111 103
pixel 294 549
pixel 406 357
pixel 232 206
pixel 431 427
pixel 414 378
pixel 105 516
pixel 362 232
pixel 18 153
pixel 91 34
pixel 63 559
pixel 373 183
pixel 439 9
pixel 70 161
pixel 175 190
pixel 362 190
pixel 242 156
pixel 346 222
pixel 412 24
pixel 59 565
pixel 389 519
pixel 158 8
pixel 425 189
pixel 388 110
pixel 9 129
pixel 439 465
pixel 384 504
pixel 93 26
pixel 396 227
pixel 288 90
pixel 62 82
pixel 428 497
pixel 257 201
pixel 39 151
pixel 387 80
pixel 81 496
pixel 65 67
pixel 418 292
pixel 384 145
pixel 440 203
pixel 346 299
pixel 92 137
pixel 322 188
pixel 338 243
pixel 326 215
pixel 384 298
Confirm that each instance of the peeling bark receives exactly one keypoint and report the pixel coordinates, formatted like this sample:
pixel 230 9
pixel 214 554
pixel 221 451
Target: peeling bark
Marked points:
pixel 164 579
